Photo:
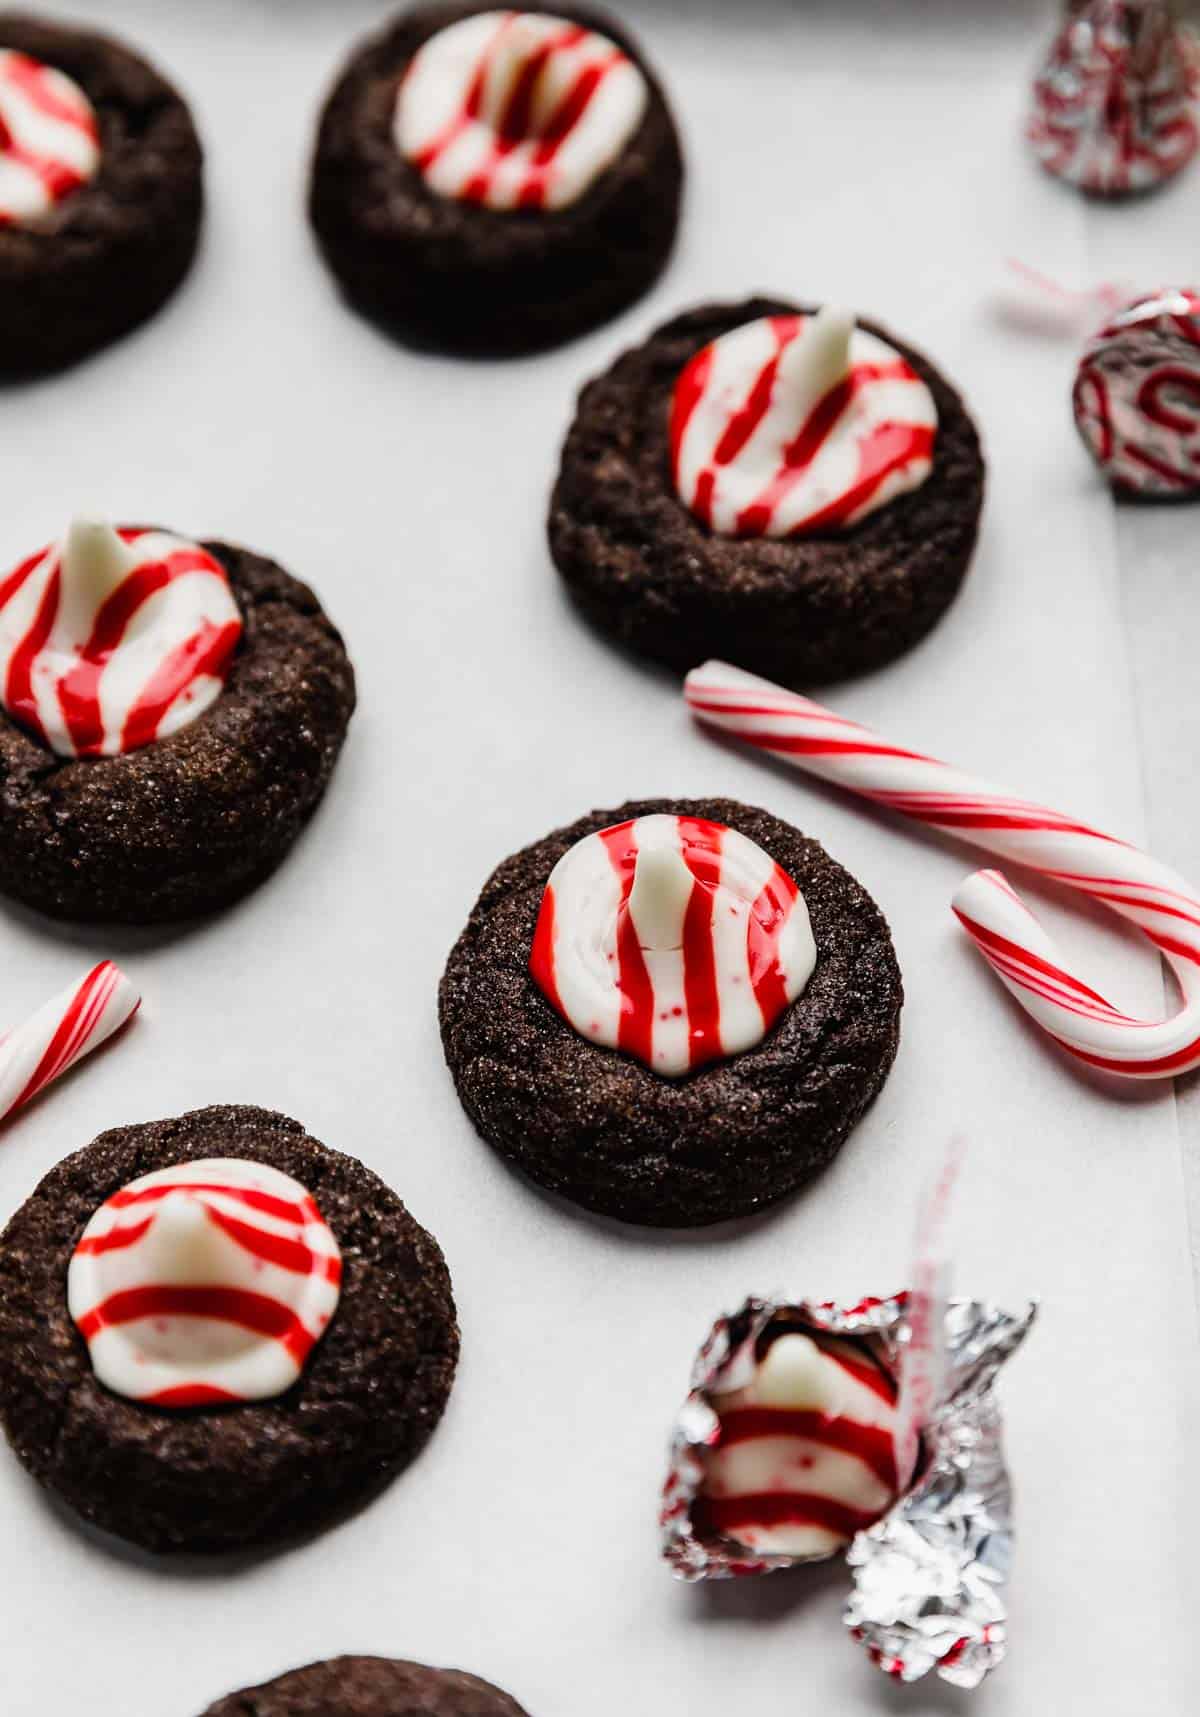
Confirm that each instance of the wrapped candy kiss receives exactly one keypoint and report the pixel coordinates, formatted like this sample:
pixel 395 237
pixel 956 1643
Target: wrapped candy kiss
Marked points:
pixel 873 1429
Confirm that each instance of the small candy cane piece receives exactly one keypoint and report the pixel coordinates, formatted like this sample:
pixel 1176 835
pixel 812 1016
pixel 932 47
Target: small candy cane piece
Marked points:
pixel 1162 905
pixel 923 1357
pixel 62 1032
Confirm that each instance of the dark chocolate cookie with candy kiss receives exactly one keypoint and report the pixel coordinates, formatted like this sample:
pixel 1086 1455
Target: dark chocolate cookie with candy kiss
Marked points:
pixel 170 715
pixel 369 1687
pixel 792 491
pixel 496 181
pixel 218 1334
pixel 673 1012
pixel 100 192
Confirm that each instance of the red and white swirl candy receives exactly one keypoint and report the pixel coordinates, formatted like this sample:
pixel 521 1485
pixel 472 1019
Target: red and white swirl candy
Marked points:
pixel 798 423
pixel 114 638
pixel 62 1032
pixel 1162 905
pixel 804 1453
pixel 517 110
pixel 208 1282
pixel 675 939
pixel 1137 395
pixel 49 139
pixel 1114 103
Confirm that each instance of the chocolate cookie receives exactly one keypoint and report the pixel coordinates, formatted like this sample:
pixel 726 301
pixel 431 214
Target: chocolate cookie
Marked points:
pixel 798 609
pixel 109 215
pixel 454 271
pixel 247 1474
pixel 187 823
pixel 601 1128
pixel 369 1687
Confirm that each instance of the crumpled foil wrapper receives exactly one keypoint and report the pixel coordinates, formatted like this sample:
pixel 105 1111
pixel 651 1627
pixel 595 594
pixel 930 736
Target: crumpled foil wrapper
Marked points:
pixel 1136 397
pixel 929 1575
pixel 1114 104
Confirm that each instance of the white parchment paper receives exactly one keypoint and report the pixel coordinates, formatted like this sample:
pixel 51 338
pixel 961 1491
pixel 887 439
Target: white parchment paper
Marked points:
pixel 868 152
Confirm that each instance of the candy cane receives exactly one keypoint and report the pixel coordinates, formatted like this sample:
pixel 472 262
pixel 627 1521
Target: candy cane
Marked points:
pixel 1162 905
pixel 62 1033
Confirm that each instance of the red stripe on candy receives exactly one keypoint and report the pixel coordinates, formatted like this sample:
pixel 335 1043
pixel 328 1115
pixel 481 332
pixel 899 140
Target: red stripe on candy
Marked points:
pixel 871 1444
pixel 256 1312
pixel 702 997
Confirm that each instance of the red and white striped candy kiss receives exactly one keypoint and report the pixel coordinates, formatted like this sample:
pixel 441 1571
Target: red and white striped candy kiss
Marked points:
pixel 1114 103
pixel 114 638
pixel 211 1281
pixel 62 1033
pixel 798 423
pixel 1137 395
pixel 804 1456
pixel 675 939
pixel 1006 933
pixel 49 139
pixel 517 110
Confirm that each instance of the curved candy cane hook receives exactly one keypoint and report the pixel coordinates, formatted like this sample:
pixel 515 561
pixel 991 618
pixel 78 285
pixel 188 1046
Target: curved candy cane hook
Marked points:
pixel 1162 905
pixel 62 1032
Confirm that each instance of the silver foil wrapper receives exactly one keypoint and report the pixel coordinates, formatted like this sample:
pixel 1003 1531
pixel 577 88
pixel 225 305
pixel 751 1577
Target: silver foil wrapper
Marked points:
pixel 1113 107
pixel 929 1576
pixel 1136 397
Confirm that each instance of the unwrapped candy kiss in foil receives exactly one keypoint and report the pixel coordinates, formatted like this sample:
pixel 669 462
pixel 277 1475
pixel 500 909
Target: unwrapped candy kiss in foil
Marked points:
pixel 929 1574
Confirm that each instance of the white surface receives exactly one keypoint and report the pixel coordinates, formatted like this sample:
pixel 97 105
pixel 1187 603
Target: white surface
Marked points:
pixel 411 491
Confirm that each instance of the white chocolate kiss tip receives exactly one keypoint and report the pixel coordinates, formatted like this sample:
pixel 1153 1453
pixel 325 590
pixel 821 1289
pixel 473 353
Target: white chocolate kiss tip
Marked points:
pixel 658 900
pixel 95 563
pixel 818 362
pixel 795 1373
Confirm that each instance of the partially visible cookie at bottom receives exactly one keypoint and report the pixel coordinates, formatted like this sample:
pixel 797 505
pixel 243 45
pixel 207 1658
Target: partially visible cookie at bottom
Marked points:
pixel 369 1687
pixel 246 1474
pixel 601 1128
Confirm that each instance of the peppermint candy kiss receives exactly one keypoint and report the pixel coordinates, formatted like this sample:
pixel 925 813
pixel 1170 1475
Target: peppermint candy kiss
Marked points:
pixel 516 110
pixel 1162 905
pixel 1114 104
pixel 1137 395
pixel 804 1455
pixel 114 639
pixel 674 939
pixel 798 423
pixel 49 139
pixel 208 1282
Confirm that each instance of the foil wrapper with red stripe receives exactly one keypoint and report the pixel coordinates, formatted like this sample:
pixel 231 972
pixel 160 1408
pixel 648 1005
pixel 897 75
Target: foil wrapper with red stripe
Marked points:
pixel 929 1574
pixel 1114 104
pixel 1136 397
